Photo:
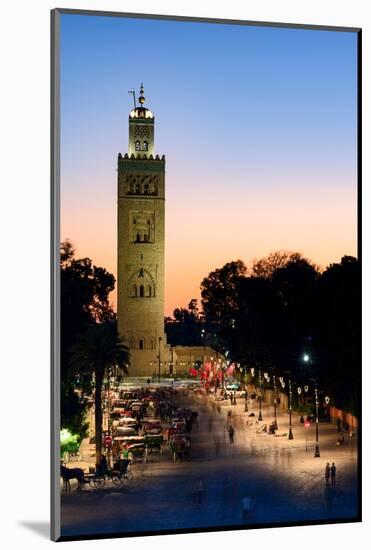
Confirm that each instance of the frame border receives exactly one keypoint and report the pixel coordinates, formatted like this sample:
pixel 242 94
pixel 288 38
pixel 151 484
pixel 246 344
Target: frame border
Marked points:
pixel 55 380
pixel 55 513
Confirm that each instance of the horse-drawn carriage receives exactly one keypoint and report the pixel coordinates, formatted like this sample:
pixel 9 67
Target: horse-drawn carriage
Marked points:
pixel 120 475
pixel 180 446
pixel 125 421
pixel 152 427
pixel 154 442
pixel 125 430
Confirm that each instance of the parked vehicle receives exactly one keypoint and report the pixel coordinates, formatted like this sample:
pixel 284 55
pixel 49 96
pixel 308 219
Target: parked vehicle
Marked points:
pixel 154 442
pixel 125 430
pixel 137 450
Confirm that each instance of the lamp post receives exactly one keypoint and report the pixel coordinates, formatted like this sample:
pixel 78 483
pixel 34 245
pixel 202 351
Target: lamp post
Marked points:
pixel 327 401
pixel 275 402
pixel 246 395
pixel 291 436
pixel 260 417
pixel 316 452
pixel 299 394
pixel 159 358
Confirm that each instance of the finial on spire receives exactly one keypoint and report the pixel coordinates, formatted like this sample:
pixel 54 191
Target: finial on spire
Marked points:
pixel 132 92
pixel 141 97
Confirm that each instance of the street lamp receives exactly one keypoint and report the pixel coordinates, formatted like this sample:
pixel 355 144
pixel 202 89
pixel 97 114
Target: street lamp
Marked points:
pixel 159 358
pixel 260 417
pixel 246 396
pixel 275 402
pixel 290 412
pixel 327 401
pixel 316 452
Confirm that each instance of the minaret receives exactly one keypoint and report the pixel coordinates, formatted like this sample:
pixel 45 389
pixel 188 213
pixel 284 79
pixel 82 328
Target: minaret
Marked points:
pixel 141 225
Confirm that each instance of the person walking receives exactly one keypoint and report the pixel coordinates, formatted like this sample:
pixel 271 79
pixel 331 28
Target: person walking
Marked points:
pixel 125 453
pixel 327 473
pixel 231 434
pixel 200 491
pixel 333 474
pixel 216 446
pixel 103 465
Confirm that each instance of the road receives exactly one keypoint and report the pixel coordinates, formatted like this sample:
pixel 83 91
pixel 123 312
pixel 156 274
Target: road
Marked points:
pixel 283 479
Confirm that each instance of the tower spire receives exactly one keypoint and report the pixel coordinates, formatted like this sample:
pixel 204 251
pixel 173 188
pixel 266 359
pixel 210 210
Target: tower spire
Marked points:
pixel 141 97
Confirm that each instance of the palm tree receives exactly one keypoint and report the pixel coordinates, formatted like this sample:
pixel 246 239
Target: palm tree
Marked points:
pixel 96 351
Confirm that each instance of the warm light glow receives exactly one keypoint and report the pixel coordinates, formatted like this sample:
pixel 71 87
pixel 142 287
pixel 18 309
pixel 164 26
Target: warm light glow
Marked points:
pixel 67 437
pixel 134 114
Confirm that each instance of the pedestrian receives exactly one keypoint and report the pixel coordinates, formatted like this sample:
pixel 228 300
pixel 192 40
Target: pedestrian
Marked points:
pixel 339 425
pixel 246 507
pixel 217 446
pixel 200 491
pixel 327 473
pixel 333 474
pixel 103 465
pixel 231 434
pixel 125 453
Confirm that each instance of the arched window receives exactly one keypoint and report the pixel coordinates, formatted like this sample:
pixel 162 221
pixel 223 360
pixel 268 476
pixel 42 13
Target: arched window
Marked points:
pixel 137 145
pixel 133 292
pixel 141 344
pixel 149 291
pixel 141 291
pixel 152 344
pixel 137 189
pixel 145 145
pixel 146 189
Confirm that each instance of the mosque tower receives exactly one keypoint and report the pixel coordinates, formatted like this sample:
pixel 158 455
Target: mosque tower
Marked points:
pixel 141 231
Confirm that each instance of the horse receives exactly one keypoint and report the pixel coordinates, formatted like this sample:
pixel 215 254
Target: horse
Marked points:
pixel 72 473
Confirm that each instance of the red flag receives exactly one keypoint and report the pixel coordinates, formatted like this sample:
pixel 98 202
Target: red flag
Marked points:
pixel 230 369
pixel 207 367
pixel 193 372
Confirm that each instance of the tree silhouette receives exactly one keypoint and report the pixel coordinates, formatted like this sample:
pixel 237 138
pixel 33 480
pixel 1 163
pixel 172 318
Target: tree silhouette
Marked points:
pixel 219 291
pixel 84 296
pixel 96 351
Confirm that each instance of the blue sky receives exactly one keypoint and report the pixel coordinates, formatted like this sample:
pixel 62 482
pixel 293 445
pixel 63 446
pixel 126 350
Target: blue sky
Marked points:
pixel 264 115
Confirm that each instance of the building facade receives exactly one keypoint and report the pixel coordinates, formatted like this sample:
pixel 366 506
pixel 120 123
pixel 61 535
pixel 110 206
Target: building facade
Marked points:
pixel 141 228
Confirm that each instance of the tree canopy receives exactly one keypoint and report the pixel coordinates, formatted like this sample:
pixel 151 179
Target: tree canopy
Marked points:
pixel 279 309
pixel 85 290
pixel 95 352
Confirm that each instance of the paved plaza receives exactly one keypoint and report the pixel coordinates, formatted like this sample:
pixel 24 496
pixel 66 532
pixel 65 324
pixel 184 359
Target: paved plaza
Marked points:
pixel 281 477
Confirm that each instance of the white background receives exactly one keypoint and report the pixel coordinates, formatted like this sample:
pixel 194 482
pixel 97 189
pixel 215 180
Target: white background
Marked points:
pixel 24 301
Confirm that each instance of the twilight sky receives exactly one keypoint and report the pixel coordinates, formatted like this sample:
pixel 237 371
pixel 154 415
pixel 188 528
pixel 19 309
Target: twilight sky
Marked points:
pixel 258 126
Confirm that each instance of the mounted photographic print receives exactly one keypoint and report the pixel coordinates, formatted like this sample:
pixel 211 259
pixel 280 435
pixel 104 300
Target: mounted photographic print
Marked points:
pixel 206 275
